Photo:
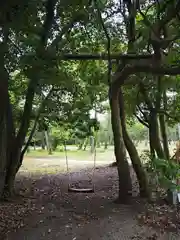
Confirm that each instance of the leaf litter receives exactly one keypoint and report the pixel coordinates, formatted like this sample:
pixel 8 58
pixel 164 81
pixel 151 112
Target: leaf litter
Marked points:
pixel 49 193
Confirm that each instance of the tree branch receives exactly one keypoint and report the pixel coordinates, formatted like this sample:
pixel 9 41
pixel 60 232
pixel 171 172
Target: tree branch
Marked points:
pixel 64 30
pixel 36 121
pixel 103 56
pixel 142 121
pixel 143 113
pixel 50 5
pixel 120 77
pixel 171 12
pixel 108 42
pixel 168 115
pixel 16 47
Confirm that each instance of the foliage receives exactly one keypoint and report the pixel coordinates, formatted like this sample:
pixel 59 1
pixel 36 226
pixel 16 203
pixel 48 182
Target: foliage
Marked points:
pixel 138 132
pixel 167 172
pixel 59 134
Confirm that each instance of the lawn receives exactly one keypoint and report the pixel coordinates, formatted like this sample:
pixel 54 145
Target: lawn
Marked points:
pixel 39 161
pixel 72 152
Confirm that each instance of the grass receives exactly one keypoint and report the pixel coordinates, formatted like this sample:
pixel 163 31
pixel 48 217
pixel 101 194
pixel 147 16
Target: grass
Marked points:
pixel 73 153
pixel 39 170
pixel 40 162
pixel 37 166
pixel 44 153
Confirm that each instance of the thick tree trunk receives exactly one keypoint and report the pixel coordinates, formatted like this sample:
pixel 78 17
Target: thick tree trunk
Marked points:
pixel 3 153
pixel 125 185
pixel 12 170
pixel 14 147
pixel 164 135
pixel 154 135
pixel 8 150
pixel 6 129
pixel 15 144
pixel 13 155
pixel 136 162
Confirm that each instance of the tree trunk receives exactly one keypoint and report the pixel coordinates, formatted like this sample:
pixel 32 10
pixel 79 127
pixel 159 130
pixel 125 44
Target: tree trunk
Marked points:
pixel 9 161
pixel 154 135
pixel 125 185
pixel 162 122
pixel 80 145
pixel 43 143
pixel 85 144
pixel 92 144
pixel 136 162
pixel 6 132
pixel 34 128
pixel 152 150
pixel 3 153
pixel 12 170
pixel 106 145
pixel 3 131
pixel 48 142
pixel 164 135
pixel 13 155
pixel 154 140
pixel 15 144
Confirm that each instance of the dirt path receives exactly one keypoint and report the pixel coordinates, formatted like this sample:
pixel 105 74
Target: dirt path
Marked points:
pixel 53 213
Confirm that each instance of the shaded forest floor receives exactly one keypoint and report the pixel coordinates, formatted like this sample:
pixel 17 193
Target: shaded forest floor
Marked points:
pixel 48 211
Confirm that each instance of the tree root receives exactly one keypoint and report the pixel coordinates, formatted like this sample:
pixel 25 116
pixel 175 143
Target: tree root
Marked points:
pixel 8 195
pixel 114 164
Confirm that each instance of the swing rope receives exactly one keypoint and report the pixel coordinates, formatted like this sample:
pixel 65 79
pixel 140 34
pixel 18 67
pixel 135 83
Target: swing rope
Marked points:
pixel 67 163
pixel 94 166
pixel 80 190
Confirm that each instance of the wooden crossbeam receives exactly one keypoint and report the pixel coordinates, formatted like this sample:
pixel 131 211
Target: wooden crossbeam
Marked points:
pixel 103 56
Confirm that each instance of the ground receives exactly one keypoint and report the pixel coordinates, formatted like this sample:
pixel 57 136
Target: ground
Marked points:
pixel 48 211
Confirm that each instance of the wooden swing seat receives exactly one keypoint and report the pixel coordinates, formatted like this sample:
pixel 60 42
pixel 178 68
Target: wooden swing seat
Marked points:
pixel 80 190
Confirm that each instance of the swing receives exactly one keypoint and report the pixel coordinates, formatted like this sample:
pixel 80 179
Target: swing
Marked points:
pixel 75 189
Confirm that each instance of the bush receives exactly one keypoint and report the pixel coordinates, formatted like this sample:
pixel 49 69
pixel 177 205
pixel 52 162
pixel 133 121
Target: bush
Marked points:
pixel 165 172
